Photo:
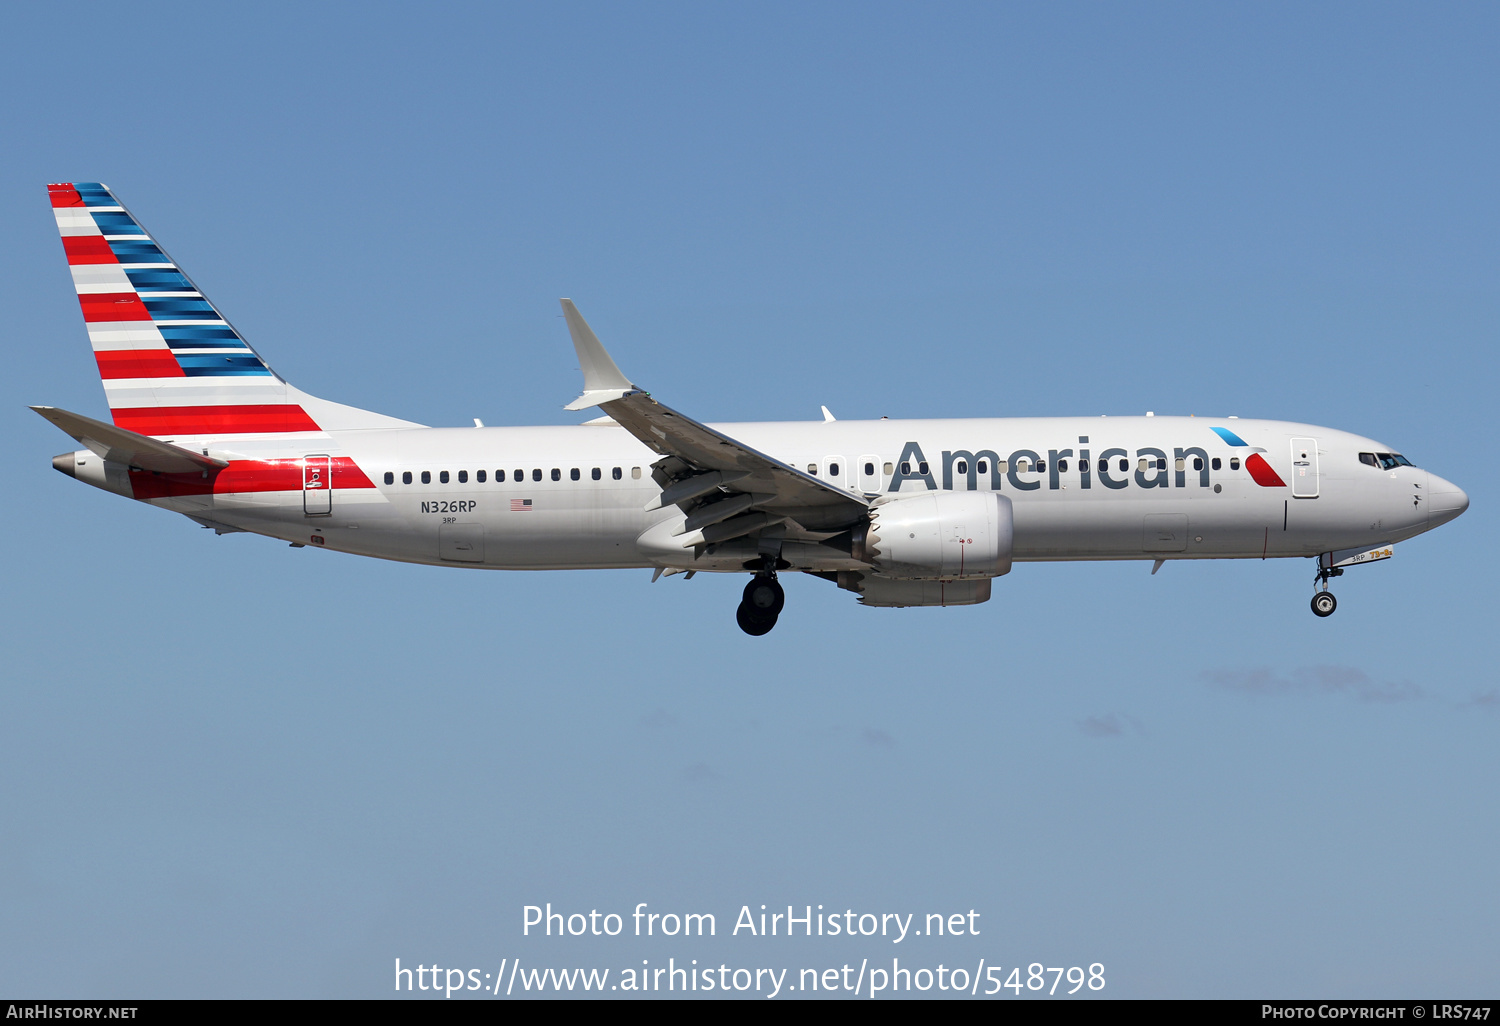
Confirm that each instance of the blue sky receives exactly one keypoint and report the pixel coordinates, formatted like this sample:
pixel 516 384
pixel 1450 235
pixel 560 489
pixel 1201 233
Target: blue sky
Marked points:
pixel 230 768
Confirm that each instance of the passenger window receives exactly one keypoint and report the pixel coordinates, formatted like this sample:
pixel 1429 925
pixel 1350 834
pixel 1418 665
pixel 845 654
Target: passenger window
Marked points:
pixel 499 477
pixel 556 474
pixel 963 466
pixel 888 470
pixel 1144 465
pixel 427 477
pixel 406 477
pixel 1062 466
pixel 519 476
pixel 463 477
pixel 1083 466
pixel 442 477
pixel 1197 462
pixel 833 470
pixel 1023 465
pixel 616 474
pixel 982 467
pixel 390 478
pixel 635 473
pixel 1124 464
pixel 905 468
pixel 1234 463
pixel 922 466
pixel 1041 465
pixel 812 468
pixel 573 474
pixel 536 474
pixel 1181 463
pixel 1002 467
pixel 869 470
pixel 479 476
pixel 1217 463
pixel 595 474
pixel 1161 463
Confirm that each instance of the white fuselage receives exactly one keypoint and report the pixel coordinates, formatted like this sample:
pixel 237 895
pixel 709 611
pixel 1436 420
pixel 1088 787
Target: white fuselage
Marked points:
pixel 541 506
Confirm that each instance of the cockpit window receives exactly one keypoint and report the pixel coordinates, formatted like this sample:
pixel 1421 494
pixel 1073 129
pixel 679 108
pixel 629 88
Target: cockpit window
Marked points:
pixel 1392 460
pixel 1369 460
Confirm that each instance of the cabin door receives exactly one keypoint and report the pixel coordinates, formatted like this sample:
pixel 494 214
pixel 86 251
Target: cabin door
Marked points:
pixel 317 486
pixel 1305 468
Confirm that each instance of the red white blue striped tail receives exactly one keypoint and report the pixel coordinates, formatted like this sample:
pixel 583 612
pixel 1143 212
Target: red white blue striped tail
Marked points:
pixel 171 363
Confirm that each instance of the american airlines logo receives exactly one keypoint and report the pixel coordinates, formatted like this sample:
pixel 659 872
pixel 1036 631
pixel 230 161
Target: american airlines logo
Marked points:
pixel 1145 467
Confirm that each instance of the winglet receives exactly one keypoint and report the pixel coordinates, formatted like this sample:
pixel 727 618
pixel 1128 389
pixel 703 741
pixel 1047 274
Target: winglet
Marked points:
pixel 602 380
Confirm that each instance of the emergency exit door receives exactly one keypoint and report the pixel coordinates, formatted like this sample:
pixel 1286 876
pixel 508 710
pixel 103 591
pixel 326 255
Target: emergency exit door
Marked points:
pixel 317 486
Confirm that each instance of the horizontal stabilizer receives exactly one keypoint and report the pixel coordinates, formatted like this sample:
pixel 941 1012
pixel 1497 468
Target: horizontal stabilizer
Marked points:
pixel 121 446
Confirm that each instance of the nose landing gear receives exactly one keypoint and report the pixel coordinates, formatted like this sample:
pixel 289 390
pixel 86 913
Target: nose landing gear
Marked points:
pixel 761 605
pixel 1323 602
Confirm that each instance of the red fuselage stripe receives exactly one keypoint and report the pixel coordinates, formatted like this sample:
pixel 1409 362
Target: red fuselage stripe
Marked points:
pixel 244 476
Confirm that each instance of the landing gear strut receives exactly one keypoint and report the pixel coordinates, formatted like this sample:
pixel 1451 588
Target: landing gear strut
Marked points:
pixel 1323 602
pixel 761 605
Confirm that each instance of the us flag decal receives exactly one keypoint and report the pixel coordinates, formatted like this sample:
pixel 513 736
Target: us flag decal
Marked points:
pixel 520 505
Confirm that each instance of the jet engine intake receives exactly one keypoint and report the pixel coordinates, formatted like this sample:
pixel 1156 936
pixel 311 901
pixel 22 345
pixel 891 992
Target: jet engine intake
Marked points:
pixel 938 536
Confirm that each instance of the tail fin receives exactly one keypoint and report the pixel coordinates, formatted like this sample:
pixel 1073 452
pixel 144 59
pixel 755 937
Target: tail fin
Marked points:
pixel 171 363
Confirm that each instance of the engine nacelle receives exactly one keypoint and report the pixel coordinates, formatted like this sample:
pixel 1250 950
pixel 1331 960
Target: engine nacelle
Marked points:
pixel 939 536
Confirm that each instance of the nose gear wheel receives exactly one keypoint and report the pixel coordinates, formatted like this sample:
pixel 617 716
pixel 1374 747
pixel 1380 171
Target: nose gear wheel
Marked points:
pixel 1323 602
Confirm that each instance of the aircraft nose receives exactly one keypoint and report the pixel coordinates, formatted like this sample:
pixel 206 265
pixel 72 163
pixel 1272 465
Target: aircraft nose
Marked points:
pixel 1445 500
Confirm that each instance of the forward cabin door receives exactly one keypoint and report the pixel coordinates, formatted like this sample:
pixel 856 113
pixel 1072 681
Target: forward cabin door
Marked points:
pixel 1305 468
pixel 317 486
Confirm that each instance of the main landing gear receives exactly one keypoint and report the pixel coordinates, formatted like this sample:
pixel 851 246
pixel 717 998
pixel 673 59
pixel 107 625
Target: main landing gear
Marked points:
pixel 761 604
pixel 1323 602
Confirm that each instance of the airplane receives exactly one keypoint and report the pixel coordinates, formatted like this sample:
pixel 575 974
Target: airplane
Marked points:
pixel 898 512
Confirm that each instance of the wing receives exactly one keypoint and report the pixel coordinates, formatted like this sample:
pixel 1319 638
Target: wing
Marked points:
pixel 728 489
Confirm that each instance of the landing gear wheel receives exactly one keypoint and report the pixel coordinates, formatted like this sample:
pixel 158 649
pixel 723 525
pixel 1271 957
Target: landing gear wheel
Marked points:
pixel 761 605
pixel 751 623
pixel 764 598
pixel 1323 603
